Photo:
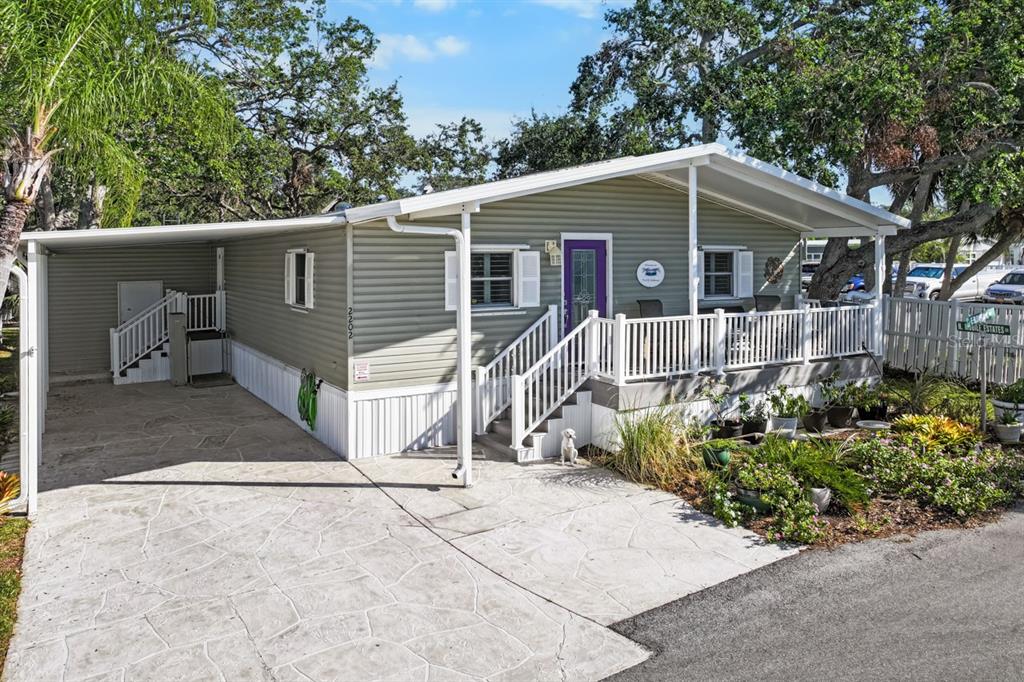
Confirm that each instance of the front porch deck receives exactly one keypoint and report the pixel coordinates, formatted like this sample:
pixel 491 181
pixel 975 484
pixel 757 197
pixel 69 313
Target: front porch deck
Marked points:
pixel 535 374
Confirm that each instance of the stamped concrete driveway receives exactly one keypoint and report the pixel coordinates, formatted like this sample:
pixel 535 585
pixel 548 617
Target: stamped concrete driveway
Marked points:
pixel 197 534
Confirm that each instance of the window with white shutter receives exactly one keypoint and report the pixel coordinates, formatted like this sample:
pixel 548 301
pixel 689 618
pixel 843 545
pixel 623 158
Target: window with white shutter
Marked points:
pixel 298 278
pixel 499 280
pixel 726 273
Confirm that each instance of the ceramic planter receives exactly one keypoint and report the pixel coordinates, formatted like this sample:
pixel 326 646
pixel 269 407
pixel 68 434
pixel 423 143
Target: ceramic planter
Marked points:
pixel 815 421
pixel 840 416
pixel 1008 433
pixel 786 426
pixel 716 459
pixel 752 498
pixel 876 413
pixel 756 426
pixel 728 428
pixel 1002 407
pixel 821 498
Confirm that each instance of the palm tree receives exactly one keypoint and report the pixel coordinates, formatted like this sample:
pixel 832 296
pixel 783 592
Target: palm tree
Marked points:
pixel 74 75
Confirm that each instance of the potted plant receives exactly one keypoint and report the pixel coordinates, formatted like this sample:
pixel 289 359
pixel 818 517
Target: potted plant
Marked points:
pixel 836 398
pixel 1009 427
pixel 814 420
pixel 715 390
pixel 753 415
pixel 1010 398
pixel 870 401
pixel 786 410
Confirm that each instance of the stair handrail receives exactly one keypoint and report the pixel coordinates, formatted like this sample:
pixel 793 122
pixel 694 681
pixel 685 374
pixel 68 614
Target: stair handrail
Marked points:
pixel 494 380
pixel 568 365
pixel 140 335
pixel 148 309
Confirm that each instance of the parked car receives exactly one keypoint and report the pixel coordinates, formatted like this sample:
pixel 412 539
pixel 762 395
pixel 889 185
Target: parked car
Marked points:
pixel 925 281
pixel 855 283
pixel 1009 289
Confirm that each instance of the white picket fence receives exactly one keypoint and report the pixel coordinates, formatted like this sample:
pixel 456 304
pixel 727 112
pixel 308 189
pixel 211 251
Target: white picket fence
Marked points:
pixel 922 336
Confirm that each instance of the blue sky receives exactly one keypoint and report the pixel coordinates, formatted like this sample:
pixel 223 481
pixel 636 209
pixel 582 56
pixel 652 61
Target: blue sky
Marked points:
pixel 487 59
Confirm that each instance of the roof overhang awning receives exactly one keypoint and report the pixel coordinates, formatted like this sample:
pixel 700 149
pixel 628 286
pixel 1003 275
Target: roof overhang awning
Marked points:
pixel 72 240
pixel 728 178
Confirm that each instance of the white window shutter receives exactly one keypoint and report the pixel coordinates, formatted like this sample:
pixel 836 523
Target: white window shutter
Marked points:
pixel 451 280
pixel 700 274
pixel 289 278
pixel 309 280
pixel 529 279
pixel 744 274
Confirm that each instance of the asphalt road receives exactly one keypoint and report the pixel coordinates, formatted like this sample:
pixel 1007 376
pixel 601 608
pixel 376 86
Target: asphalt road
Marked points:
pixel 944 605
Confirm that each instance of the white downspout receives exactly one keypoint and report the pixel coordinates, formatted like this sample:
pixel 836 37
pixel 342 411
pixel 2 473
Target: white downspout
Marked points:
pixel 464 438
pixel 28 459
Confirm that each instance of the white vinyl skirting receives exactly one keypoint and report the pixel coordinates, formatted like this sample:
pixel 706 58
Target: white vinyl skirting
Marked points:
pixel 277 384
pixel 383 422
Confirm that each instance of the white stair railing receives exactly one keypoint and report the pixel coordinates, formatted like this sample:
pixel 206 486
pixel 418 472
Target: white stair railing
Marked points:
pixel 494 380
pixel 140 335
pixel 149 329
pixel 563 369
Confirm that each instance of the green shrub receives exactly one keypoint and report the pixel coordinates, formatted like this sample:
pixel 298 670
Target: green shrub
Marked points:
pixel 1011 393
pixel 649 445
pixel 794 518
pixel 960 480
pixel 817 463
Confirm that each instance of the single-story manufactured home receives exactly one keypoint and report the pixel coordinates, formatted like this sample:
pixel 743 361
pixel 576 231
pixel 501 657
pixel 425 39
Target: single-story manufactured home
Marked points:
pixel 550 300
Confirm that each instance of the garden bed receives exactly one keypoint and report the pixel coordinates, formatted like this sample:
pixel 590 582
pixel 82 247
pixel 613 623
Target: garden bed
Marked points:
pixel 930 471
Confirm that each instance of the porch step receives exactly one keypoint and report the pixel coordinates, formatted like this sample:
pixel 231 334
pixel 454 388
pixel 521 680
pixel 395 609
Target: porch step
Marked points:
pixel 545 442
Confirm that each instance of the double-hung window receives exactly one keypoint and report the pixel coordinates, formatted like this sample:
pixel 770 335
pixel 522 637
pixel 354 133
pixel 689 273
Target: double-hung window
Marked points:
pixel 500 278
pixel 492 280
pixel 719 271
pixel 298 279
pixel 726 272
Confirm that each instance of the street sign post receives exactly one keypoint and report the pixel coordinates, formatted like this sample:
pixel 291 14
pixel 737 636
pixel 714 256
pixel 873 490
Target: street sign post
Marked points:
pixel 980 324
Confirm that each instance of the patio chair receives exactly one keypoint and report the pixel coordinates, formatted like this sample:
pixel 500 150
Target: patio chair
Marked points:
pixel 651 307
pixel 765 303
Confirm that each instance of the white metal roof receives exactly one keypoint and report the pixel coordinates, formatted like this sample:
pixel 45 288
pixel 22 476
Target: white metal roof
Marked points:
pixel 163 234
pixel 727 177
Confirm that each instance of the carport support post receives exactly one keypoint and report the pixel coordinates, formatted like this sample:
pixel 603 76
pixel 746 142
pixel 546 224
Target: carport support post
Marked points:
pixel 34 383
pixel 694 277
pixel 465 362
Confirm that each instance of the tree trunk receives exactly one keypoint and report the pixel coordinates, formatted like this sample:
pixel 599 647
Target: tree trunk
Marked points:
pixel 46 214
pixel 12 222
pixel 947 273
pixel 985 259
pixel 901 274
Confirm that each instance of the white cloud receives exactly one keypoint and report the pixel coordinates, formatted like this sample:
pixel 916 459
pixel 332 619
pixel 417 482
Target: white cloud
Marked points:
pixel 407 47
pixel 450 46
pixel 434 5
pixel 586 9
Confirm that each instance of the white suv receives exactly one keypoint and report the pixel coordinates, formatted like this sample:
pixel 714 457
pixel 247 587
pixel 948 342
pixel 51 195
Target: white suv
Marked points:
pixel 925 281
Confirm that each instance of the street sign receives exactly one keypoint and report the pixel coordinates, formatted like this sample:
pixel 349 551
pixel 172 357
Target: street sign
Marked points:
pixel 983 328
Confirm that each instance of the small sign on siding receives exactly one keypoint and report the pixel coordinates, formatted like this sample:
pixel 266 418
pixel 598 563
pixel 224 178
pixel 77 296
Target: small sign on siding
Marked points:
pixel 361 371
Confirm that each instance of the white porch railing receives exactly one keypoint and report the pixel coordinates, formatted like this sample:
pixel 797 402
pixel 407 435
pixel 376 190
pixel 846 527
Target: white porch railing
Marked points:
pixel 150 328
pixel 494 380
pixel 544 386
pixel 626 350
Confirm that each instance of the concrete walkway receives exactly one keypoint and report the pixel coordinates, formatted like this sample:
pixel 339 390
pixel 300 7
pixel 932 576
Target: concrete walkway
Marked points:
pixel 197 534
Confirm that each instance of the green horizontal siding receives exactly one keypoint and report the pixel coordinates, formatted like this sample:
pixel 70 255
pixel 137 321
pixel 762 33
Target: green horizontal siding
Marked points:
pixel 83 295
pixel 403 331
pixel 259 317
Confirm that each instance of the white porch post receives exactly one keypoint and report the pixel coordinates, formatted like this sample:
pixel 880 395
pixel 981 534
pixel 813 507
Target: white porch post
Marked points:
pixel 33 383
pixel 692 256
pixel 465 362
pixel 880 274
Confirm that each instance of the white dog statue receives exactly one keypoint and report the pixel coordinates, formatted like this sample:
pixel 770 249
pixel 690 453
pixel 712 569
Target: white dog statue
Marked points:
pixel 569 450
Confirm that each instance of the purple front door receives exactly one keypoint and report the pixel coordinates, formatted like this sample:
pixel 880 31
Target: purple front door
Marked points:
pixel 585 268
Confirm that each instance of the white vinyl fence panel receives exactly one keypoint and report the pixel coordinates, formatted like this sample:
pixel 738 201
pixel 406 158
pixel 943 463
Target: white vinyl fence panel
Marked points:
pixel 922 336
